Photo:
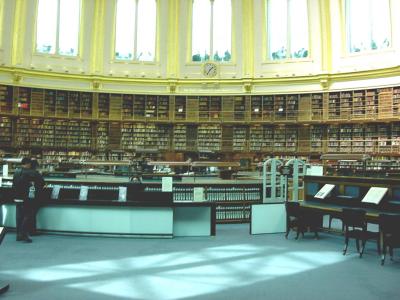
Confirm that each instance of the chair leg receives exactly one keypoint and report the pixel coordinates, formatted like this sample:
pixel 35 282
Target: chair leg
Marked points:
pixel 287 232
pixel 346 244
pixel 391 252
pixel 358 245
pixel 378 245
pixel 383 254
pixel 362 248
pixel 330 222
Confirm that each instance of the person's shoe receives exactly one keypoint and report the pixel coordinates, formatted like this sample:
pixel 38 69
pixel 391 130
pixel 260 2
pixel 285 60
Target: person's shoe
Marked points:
pixel 27 240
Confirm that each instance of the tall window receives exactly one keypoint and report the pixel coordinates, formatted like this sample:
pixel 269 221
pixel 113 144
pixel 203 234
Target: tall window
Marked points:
pixel 287 27
pixel 1 22
pixel 57 29
pixel 368 25
pixel 212 30
pixel 135 32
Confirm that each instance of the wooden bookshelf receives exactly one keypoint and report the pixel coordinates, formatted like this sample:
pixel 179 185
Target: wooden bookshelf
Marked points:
pixel 180 108
pixel 163 108
pixel 239 139
pixel 139 103
pixel 6 99
pixel 50 103
pixel 6 132
pixel 268 108
pixel 349 121
pixel 62 104
pixel 179 137
pixel 239 108
pixel 256 138
pixel 209 137
pixel 256 108
pixel 127 107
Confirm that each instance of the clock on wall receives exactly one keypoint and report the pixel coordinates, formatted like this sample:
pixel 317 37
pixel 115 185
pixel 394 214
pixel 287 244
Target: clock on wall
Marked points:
pixel 210 69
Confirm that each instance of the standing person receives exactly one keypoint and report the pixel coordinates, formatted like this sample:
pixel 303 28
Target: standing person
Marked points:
pixel 36 204
pixel 28 185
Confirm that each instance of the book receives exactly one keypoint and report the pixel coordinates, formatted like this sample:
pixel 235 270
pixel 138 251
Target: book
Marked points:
pixel 374 195
pixel 324 191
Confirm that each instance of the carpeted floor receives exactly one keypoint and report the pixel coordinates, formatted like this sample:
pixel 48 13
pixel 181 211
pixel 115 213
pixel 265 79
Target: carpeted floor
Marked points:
pixel 232 265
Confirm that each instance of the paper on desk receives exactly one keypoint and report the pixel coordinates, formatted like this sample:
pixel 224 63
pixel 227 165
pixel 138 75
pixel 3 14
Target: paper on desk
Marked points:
pixel 374 195
pixel 324 191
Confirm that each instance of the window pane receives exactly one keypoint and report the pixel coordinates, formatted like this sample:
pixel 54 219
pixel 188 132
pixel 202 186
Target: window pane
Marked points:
pixel 298 18
pixel 201 30
pixel 368 24
pixel 381 21
pixel 277 29
pixel 357 15
pixel 125 29
pixel 46 26
pixel 146 35
pixel 222 30
pixel 69 27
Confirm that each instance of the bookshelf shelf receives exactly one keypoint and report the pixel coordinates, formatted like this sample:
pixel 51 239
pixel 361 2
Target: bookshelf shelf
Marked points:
pixel 349 121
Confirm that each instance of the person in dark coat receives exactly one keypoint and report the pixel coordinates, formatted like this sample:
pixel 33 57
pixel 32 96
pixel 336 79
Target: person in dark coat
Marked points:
pixel 27 186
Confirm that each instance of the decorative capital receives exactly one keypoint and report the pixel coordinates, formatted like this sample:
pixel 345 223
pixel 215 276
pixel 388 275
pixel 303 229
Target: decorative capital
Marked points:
pixel 17 78
pixel 96 84
pixel 324 83
pixel 172 86
pixel 248 86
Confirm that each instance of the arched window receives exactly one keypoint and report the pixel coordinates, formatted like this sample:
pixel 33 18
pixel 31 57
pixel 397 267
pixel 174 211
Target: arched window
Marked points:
pixel 368 25
pixel 135 31
pixel 212 30
pixel 57 30
pixel 287 29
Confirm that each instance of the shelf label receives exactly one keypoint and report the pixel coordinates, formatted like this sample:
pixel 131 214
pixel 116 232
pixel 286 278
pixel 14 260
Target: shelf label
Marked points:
pixel 122 191
pixel 198 194
pixel 166 184
pixel 326 189
pixel 83 193
pixel 5 170
pixel 374 195
pixel 55 192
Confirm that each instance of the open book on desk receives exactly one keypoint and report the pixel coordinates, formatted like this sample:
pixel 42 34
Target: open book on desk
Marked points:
pixel 324 191
pixel 374 195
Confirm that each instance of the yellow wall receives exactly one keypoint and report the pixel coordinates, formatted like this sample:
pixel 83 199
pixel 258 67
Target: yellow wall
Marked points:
pixel 328 67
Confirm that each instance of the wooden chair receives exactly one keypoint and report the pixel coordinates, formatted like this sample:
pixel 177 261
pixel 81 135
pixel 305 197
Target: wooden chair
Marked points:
pixel 389 227
pixel 300 219
pixel 355 226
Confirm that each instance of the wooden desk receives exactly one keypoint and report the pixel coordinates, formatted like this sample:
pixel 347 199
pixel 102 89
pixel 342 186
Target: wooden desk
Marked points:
pixel 334 209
